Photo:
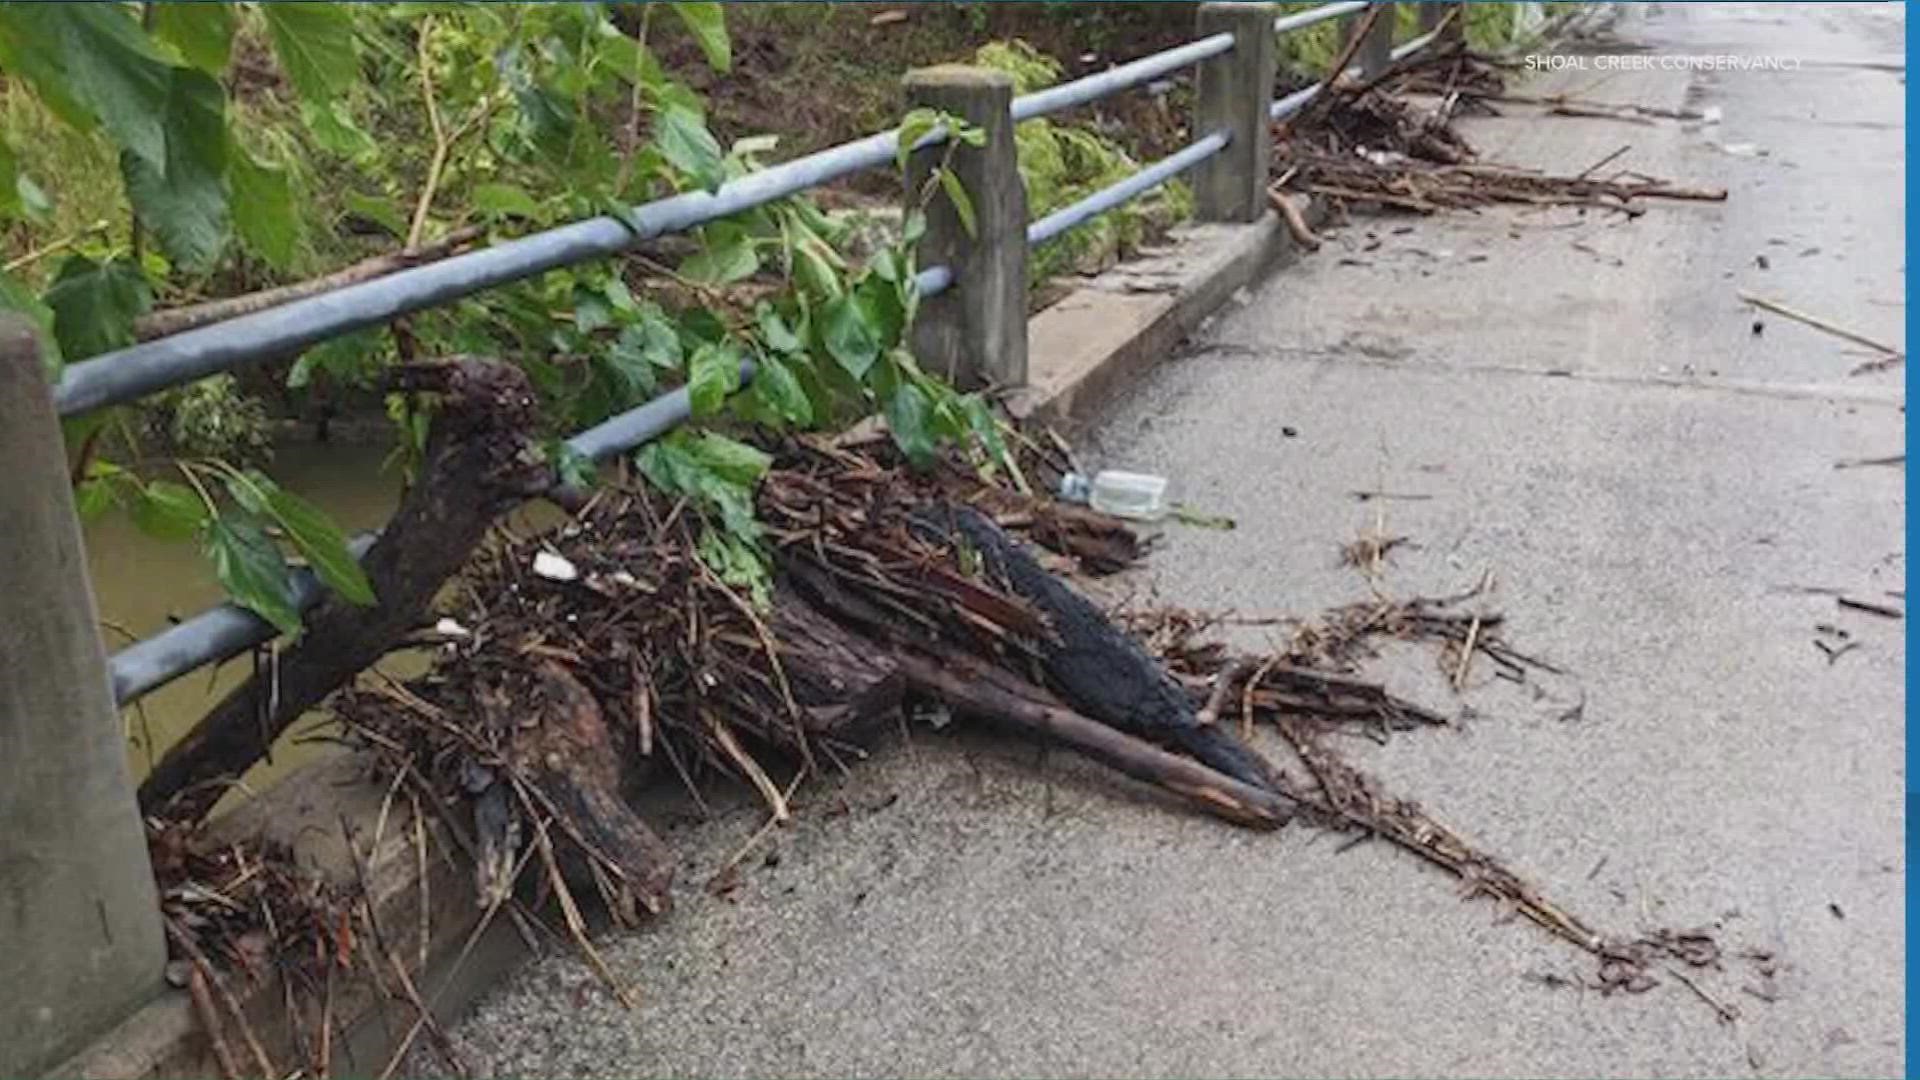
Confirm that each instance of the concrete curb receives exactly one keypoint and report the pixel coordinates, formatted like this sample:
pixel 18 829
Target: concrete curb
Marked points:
pixel 1083 350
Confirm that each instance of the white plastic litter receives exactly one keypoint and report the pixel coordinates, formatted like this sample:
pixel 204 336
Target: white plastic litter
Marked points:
pixel 450 628
pixel 554 568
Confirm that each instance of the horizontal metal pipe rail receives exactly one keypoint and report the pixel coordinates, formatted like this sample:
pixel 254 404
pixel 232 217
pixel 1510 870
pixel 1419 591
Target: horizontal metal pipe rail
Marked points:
pixel 125 374
pixel 1094 87
pixel 1406 49
pixel 228 629
pixel 1322 13
pixel 1133 186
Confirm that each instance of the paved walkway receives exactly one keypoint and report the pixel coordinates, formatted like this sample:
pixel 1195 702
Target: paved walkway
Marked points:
pixel 1586 411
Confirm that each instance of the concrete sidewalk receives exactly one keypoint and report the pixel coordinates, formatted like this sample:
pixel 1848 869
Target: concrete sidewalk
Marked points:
pixel 1578 404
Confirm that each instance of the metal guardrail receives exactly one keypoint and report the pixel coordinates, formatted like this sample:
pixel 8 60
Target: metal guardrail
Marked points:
pixel 126 374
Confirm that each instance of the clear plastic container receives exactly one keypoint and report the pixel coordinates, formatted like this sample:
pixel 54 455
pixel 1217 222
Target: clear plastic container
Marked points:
pixel 1140 496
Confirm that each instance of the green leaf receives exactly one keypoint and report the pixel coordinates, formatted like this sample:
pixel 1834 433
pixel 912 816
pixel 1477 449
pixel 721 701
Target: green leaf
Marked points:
pixel 320 541
pixel 202 32
pixel 620 298
pixel 113 71
pixel 33 48
pixel 707 22
pixel 549 118
pixel 716 471
pixel 377 210
pixel 94 305
pixel 333 128
pixel 168 511
pixel 590 309
pixel 250 567
pixel 573 468
pixel 962 202
pixel 263 209
pixel 728 257
pixel 729 459
pixel 626 368
pixel 812 268
pixel 93 497
pixel 908 415
pixel 660 341
pixel 316 47
pixel 310 530
pixel 913 127
pixel 738 563
pixel 985 427
pixel 33 201
pixel 880 300
pixel 15 296
pixel 848 332
pixel 351 358
pixel 776 385
pixel 505 200
pixel 713 372
pixel 183 200
pixel 775 334
pixel 681 135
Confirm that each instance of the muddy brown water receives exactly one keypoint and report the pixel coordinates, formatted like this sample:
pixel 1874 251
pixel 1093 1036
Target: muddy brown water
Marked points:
pixel 142 584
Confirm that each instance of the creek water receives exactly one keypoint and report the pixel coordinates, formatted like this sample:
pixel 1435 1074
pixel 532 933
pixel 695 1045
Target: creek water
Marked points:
pixel 140 584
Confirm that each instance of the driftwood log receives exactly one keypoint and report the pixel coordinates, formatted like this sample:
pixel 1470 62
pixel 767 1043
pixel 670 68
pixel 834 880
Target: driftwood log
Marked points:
pixel 1099 670
pixel 558 743
pixel 972 686
pixel 840 681
pixel 480 461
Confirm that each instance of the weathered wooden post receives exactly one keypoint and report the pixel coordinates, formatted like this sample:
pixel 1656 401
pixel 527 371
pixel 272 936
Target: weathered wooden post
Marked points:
pixel 80 936
pixel 1376 52
pixel 975 333
pixel 1234 92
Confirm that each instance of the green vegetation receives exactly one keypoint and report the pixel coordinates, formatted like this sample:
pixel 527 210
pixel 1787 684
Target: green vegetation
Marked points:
pixel 1062 163
pixel 1490 27
pixel 155 155
pixel 200 151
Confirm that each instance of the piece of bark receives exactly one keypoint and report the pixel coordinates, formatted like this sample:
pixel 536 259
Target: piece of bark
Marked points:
pixel 839 680
pixel 1099 670
pixel 559 742
pixel 480 461
pixel 969 685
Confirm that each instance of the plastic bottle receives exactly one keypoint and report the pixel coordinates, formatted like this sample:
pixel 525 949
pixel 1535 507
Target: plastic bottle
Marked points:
pixel 1140 496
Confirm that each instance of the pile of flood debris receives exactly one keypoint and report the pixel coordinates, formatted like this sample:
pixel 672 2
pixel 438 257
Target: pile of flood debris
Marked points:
pixel 576 664
pixel 581 662
pixel 1389 141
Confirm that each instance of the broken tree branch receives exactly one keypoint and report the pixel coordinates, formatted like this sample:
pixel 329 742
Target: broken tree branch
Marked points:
pixel 955 679
pixel 176 320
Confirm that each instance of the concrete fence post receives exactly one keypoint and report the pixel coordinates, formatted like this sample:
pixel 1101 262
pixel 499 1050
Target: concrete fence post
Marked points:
pixel 80 937
pixel 1234 92
pixel 1376 52
pixel 975 333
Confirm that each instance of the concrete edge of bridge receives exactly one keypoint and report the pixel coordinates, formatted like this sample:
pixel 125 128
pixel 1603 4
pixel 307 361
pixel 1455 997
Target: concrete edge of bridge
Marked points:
pixel 1085 349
